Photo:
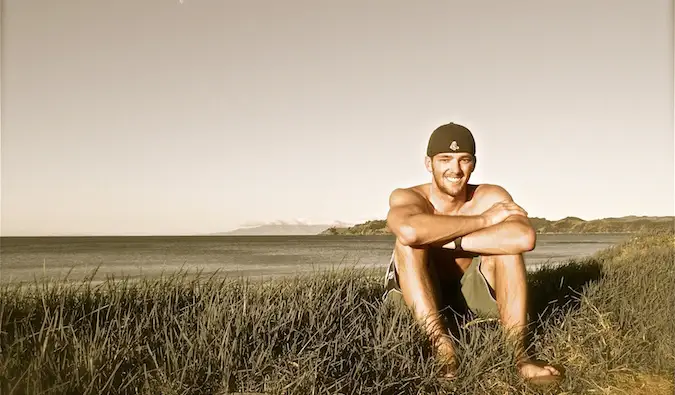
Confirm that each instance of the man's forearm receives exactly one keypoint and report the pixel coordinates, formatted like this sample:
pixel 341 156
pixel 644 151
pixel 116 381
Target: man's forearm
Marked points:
pixel 428 229
pixel 513 236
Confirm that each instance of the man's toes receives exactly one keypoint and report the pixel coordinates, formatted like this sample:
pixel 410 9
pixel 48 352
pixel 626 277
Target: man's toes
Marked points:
pixel 535 370
pixel 529 371
pixel 552 370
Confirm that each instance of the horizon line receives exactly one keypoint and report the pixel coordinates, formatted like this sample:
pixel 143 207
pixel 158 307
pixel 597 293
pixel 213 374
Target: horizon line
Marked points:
pixel 222 233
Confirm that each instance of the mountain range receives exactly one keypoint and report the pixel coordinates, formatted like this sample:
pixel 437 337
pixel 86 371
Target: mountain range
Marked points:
pixel 283 228
pixel 628 224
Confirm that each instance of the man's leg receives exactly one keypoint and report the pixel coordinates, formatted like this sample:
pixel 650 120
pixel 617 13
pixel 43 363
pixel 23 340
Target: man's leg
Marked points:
pixel 506 274
pixel 420 289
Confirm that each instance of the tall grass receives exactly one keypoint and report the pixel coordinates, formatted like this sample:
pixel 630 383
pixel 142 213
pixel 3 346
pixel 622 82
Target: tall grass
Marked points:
pixel 603 319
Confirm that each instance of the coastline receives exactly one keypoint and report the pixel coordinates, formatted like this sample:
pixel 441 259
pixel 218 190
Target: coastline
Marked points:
pixel 326 332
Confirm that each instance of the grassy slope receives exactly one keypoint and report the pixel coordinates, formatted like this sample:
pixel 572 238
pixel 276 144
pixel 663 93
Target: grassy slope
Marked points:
pixel 609 320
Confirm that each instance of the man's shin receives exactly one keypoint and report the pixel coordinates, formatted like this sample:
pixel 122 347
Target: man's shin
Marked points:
pixel 420 291
pixel 511 294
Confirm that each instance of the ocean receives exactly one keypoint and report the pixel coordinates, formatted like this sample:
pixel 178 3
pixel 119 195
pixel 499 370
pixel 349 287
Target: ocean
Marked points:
pixel 26 259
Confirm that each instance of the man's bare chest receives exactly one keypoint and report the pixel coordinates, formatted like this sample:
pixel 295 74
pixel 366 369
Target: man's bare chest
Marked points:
pixel 467 209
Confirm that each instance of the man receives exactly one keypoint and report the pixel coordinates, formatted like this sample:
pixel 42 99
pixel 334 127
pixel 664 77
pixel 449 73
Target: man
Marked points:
pixel 461 245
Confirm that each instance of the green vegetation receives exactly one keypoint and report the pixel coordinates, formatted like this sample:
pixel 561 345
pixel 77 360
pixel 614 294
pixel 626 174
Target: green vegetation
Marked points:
pixel 608 319
pixel 376 227
pixel 630 224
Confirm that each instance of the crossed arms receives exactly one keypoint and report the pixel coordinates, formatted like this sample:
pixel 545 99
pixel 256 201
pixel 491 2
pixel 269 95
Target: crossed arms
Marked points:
pixel 503 229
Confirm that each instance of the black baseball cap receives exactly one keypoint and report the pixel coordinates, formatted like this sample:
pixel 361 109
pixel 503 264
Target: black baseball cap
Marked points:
pixel 451 138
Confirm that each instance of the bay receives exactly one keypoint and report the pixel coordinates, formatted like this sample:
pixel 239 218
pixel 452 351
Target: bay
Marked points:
pixel 25 259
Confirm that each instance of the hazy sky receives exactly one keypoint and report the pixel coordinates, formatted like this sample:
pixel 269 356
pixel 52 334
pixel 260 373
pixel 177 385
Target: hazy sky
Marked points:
pixel 156 117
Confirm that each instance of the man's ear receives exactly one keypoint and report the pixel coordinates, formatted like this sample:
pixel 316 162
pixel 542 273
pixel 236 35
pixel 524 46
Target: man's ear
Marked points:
pixel 427 164
pixel 475 160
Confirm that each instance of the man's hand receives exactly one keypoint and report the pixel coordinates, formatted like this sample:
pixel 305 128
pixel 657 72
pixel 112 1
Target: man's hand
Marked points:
pixel 500 211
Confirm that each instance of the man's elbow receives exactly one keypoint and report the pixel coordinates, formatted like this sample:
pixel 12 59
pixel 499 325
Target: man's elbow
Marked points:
pixel 406 234
pixel 528 239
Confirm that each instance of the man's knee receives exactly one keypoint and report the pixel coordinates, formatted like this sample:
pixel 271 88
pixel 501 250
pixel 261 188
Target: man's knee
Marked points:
pixel 491 265
pixel 407 257
pixel 490 262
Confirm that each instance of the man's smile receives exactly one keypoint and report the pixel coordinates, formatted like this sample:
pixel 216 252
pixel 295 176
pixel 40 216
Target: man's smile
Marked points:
pixel 454 180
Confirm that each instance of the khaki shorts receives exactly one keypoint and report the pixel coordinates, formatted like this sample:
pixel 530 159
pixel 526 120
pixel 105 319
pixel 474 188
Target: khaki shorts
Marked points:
pixel 472 292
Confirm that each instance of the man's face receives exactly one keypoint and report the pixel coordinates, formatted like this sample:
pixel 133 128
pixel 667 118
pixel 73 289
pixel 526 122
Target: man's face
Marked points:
pixel 451 172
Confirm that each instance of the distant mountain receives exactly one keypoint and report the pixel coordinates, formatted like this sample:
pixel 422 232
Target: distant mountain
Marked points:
pixel 629 224
pixel 374 227
pixel 282 228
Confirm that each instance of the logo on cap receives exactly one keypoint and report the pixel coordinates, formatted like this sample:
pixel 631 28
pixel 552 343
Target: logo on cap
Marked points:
pixel 454 146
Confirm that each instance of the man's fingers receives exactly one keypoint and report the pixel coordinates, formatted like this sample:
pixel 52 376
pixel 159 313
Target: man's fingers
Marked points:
pixel 518 212
pixel 507 209
pixel 517 208
pixel 509 205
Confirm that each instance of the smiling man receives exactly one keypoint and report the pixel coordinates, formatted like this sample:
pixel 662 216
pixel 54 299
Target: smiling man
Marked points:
pixel 460 246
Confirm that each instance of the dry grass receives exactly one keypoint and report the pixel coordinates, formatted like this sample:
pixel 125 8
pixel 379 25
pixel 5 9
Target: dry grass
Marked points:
pixel 609 320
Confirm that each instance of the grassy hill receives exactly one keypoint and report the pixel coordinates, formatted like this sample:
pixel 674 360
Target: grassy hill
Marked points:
pixel 600 318
pixel 628 224
pixel 376 227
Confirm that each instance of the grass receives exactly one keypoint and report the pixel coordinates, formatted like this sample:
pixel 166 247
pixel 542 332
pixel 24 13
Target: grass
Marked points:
pixel 609 320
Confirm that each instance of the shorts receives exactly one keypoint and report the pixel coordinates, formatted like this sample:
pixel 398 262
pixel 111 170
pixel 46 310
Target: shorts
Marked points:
pixel 472 292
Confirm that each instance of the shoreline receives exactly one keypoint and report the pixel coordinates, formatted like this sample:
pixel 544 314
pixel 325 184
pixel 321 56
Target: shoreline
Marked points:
pixel 123 262
pixel 599 319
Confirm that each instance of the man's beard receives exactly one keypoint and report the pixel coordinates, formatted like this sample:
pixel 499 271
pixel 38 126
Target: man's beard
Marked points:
pixel 452 191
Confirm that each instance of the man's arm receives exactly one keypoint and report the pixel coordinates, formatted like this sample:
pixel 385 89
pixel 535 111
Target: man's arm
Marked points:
pixel 514 235
pixel 412 223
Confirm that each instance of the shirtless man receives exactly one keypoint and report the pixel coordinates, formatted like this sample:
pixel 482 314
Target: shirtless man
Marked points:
pixel 459 244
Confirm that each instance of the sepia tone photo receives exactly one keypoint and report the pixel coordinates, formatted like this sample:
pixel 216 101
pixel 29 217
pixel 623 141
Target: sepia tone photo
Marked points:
pixel 337 197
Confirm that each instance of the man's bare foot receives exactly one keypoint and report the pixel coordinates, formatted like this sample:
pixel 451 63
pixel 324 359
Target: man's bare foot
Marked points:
pixel 446 356
pixel 538 372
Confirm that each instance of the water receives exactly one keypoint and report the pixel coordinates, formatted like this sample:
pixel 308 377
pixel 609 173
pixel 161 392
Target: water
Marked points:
pixel 24 259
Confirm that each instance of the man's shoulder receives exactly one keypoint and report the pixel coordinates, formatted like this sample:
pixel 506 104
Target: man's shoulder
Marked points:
pixel 490 193
pixel 409 195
